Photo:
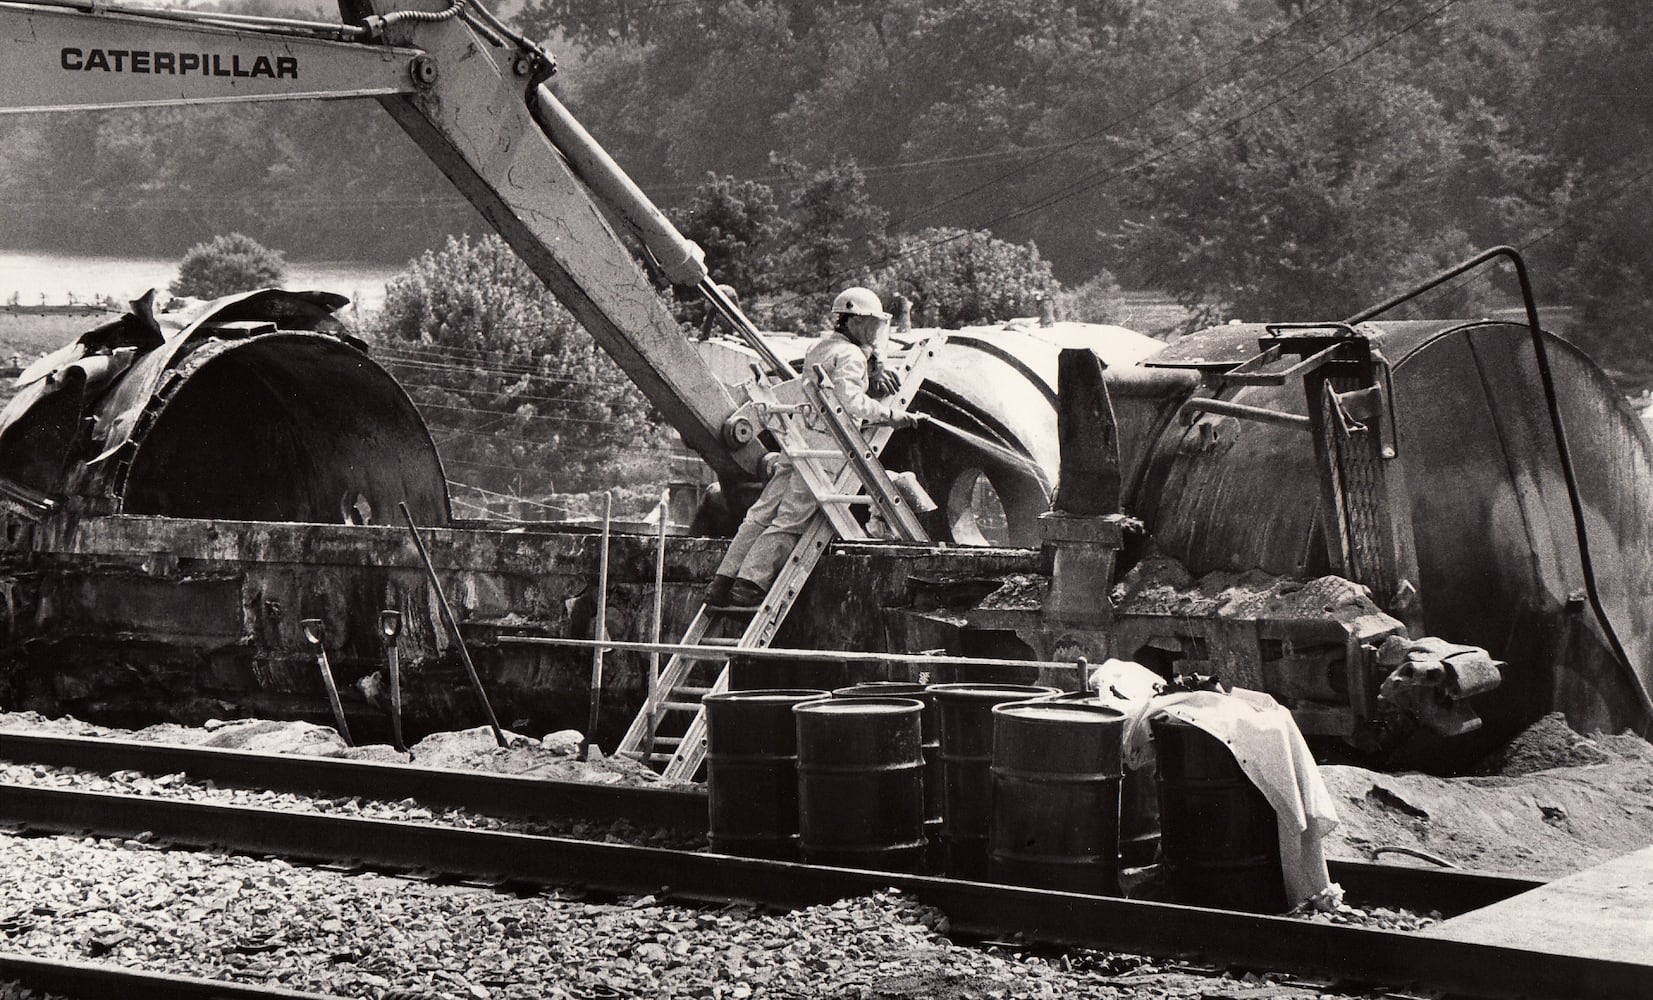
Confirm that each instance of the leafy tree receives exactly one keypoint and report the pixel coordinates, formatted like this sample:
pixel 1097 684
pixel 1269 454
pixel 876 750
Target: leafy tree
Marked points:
pixel 228 264
pixel 955 277
pixel 831 228
pixel 738 224
pixel 520 397
pixel 1095 300
pixel 1307 210
pixel 1591 121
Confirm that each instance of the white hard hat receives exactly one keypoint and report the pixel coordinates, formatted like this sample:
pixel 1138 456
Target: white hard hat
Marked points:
pixel 858 301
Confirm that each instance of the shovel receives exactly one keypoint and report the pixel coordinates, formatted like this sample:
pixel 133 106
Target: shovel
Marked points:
pixel 390 626
pixel 312 634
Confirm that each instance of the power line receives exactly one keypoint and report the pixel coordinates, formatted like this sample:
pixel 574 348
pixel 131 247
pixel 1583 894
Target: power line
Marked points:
pixel 1101 131
pixel 514 499
pixel 497 412
pixel 1118 168
pixel 511 397
pixel 1612 193
pixel 452 433
pixel 526 366
pixel 519 374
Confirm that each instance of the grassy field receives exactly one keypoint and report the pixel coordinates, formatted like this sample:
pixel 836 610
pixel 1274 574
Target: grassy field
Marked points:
pixel 30 336
pixel 1150 313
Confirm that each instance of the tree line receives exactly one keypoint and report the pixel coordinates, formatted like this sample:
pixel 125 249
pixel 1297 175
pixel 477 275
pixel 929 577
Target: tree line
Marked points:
pixel 1266 159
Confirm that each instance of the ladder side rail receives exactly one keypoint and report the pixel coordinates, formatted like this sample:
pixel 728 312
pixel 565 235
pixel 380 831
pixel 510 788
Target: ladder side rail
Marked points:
pixel 874 479
pixel 759 633
pixel 676 670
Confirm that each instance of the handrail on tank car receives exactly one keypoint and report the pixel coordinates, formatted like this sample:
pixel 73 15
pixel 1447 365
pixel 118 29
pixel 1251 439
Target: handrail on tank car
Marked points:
pixel 1541 355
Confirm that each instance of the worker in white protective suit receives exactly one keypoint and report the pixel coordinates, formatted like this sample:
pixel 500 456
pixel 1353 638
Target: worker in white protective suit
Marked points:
pixel 784 509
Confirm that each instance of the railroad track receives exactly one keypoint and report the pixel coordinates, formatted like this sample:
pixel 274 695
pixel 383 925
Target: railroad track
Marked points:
pixel 680 810
pixel 102 982
pixel 1350 954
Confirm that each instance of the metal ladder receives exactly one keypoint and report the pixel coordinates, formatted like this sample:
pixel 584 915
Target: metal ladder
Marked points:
pixel 787 409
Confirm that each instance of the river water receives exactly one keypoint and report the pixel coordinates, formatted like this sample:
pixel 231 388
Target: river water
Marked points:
pixel 65 278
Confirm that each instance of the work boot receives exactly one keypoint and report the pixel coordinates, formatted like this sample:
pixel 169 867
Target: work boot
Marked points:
pixel 745 594
pixel 717 595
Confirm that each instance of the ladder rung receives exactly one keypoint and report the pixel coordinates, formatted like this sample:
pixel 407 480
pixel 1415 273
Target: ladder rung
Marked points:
pixel 680 706
pixel 691 692
pixel 667 741
pixel 815 453
pixel 723 640
pixel 844 498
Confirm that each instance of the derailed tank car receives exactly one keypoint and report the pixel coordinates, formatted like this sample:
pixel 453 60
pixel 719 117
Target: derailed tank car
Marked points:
pixel 181 491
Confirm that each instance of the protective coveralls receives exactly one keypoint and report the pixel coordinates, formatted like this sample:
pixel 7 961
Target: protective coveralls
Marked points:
pixel 783 510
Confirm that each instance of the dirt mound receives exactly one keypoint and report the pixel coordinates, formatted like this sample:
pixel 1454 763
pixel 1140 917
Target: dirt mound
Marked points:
pixel 1546 744
pixel 1533 816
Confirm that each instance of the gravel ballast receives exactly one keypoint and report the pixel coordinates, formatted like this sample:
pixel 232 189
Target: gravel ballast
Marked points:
pixel 262 920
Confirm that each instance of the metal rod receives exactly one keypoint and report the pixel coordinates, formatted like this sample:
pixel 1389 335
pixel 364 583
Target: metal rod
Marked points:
pixel 659 619
pixel 738 321
pixel 783 654
pixel 453 626
pixel 390 626
pixel 599 629
pixel 990 447
pixel 682 261
pixel 1261 414
pixel 313 635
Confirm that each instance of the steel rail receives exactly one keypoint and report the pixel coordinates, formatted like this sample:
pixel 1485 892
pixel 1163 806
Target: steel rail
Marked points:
pixel 1351 954
pixel 95 981
pixel 679 809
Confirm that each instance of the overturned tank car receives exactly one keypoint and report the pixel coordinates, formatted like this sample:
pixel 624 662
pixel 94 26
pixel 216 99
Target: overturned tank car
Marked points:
pixel 1384 524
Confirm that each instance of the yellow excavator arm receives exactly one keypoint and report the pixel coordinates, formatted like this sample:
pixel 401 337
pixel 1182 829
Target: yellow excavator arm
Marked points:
pixel 472 94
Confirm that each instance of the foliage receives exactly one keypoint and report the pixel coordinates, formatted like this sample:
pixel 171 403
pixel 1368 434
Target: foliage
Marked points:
pixel 228 264
pixel 738 224
pixel 1094 301
pixel 1309 211
pixel 955 277
pixel 1278 159
pixel 790 263
pixel 519 397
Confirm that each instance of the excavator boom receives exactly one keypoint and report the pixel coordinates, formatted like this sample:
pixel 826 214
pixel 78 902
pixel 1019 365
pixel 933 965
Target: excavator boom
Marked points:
pixel 471 94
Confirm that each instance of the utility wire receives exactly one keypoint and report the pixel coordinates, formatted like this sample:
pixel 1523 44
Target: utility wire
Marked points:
pixel 457 352
pixel 1103 130
pixel 497 412
pixel 511 497
pixel 519 374
pixel 1119 168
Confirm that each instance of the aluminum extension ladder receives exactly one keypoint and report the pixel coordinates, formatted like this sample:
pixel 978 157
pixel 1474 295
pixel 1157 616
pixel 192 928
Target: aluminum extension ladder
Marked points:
pixel 839 478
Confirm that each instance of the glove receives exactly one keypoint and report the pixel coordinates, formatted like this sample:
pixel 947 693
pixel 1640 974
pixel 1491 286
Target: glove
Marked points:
pixel 881 381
